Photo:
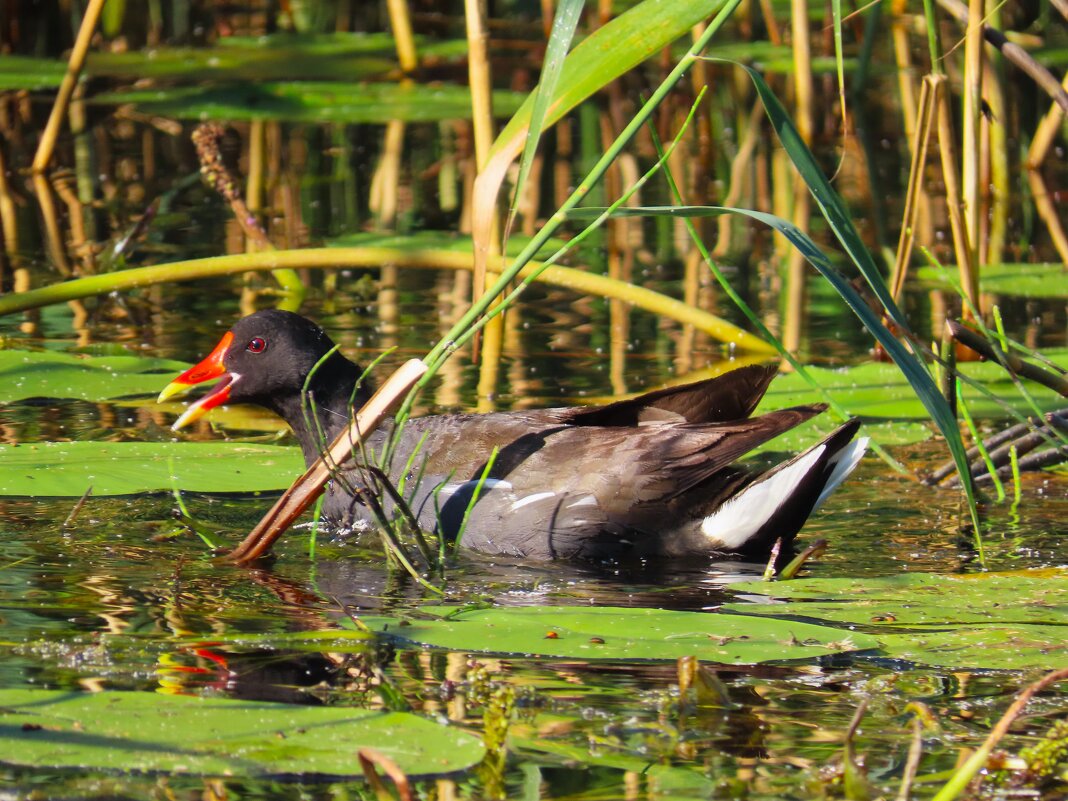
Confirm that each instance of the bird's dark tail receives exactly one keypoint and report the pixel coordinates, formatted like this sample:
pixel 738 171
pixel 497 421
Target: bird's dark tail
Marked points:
pixel 777 503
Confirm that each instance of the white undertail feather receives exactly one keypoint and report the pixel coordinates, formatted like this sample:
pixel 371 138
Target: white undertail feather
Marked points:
pixel 736 521
pixel 844 462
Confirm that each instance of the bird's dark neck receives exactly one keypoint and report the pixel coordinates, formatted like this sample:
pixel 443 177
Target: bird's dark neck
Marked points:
pixel 319 414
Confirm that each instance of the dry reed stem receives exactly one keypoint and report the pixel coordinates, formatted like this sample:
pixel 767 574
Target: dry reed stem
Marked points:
pixel 1014 54
pixel 47 144
pixel 8 218
pixel 948 151
pixel 79 241
pixel 1045 135
pixel 43 190
pixel 912 762
pixel 794 313
pixel 1047 210
pixel 479 81
pixel 997 188
pixel 257 166
pixel 914 192
pixel 385 183
pixel 899 29
pixel 972 99
pixel 401 23
pixel 741 165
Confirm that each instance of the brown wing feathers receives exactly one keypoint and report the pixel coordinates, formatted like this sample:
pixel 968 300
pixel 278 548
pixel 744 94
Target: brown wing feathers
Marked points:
pixel 731 396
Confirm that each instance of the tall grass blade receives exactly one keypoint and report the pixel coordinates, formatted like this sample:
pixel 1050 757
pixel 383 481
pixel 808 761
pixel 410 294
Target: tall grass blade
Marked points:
pixel 477 493
pixel 565 22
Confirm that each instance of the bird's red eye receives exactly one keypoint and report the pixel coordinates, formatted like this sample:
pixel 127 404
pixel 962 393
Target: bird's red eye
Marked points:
pixel 256 345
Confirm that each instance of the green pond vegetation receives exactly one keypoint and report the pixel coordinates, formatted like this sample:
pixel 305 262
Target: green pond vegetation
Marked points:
pixel 651 192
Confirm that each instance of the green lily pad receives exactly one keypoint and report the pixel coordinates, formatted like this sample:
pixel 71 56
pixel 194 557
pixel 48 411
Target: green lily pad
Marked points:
pixel 128 731
pixel 1001 647
pixel 666 781
pixel 880 390
pixel 68 469
pixel 48 374
pixel 984 620
pixel 282 56
pixel 310 101
pixel 1015 280
pixel 622 634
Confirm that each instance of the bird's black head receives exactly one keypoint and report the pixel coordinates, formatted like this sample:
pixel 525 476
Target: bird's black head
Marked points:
pixel 269 359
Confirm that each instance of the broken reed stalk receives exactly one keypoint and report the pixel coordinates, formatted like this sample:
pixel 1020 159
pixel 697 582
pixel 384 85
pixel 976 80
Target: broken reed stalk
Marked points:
pixel 369 758
pixel 310 485
pixel 1010 361
pixel 991 442
pixel 47 144
pixel 1004 449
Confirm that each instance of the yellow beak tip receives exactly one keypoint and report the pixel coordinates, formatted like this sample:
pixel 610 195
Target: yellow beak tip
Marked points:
pixel 172 389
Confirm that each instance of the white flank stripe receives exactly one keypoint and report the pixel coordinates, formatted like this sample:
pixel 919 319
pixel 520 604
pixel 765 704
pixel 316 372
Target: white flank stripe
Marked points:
pixel 736 521
pixel 844 462
pixel 537 496
pixel 469 486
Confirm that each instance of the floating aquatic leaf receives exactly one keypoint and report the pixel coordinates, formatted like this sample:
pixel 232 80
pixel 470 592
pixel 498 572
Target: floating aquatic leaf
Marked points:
pixel 310 101
pixel 621 633
pixel 1015 280
pixel 879 390
pixel 982 620
pixel 286 56
pixel 129 731
pixel 68 469
pixel 48 374
pixel 665 781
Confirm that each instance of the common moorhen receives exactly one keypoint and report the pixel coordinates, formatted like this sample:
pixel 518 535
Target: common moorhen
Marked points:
pixel 653 475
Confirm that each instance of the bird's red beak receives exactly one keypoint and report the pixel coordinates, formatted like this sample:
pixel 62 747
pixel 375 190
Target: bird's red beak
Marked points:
pixel 209 368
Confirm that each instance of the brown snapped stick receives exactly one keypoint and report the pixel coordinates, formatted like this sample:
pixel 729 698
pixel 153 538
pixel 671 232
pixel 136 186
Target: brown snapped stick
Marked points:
pixel 309 486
